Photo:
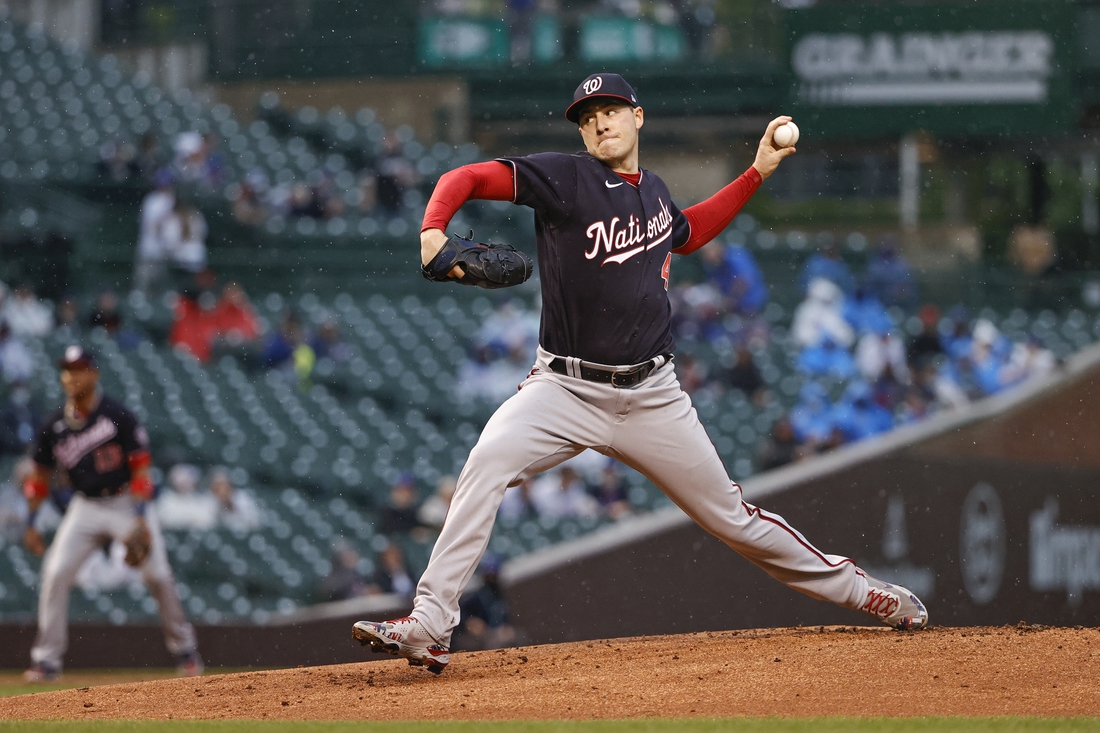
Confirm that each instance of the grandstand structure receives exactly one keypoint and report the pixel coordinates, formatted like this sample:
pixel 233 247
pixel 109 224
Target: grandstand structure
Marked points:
pixel 320 456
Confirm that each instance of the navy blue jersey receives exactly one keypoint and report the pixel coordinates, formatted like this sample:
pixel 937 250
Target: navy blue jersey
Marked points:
pixel 604 250
pixel 93 455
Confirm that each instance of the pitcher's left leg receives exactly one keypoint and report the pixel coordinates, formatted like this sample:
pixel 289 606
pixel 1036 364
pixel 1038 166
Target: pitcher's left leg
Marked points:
pixel 663 438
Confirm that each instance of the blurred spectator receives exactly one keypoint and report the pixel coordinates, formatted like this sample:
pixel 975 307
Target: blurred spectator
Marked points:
pixel 518 502
pixel 781 447
pixel 281 342
pixel 396 175
pixel 237 510
pixel 182 505
pixel 1028 359
pixel 234 318
pixel 67 317
pixel 194 327
pixel 611 492
pixel 13 507
pixel 118 161
pixel 197 159
pixel 433 512
pixel 562 494
pixel 521 15
pixel 305 201
pixel 698 311
pixel 344 581
pixel 16 361
pixel 399 515
pixel 20 419
pixel 812 416
pixel 484 611
pixel 733 270
pixel 25 314
pixel 826 360
pixel 105 314
pixel 152 254
pixel 183 233
pixel 989 353
pixel 827 264
pixel 328 343
pixel 927 344
pixel 510 325
pixel 745 376
pixel 889 278
pixel 691 372
pixel 888 391
pixel 866 314
pixel 249 201
pixel 106 569
pixel 392 576
pixel 820 316
pixel 879 350
pixel 858 416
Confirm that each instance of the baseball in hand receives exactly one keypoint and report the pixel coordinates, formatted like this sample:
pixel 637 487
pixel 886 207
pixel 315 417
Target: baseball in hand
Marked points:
pixel 785 135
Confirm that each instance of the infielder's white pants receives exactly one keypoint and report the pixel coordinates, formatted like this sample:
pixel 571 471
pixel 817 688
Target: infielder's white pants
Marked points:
pixel 651 427
pixel 86 525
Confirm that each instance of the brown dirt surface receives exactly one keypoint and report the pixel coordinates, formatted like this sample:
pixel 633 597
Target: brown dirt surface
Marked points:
pixel 801 672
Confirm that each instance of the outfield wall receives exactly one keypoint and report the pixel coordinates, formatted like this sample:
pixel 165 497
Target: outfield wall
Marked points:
pixel 989 514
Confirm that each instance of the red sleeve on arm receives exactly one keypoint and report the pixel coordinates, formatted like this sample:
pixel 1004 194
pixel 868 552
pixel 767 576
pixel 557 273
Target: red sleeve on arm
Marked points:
pixel 708 218
pixel 491 181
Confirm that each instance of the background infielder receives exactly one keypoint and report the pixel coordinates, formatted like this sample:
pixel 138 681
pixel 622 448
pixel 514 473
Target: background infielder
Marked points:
pixel 102 450
pixel 603 378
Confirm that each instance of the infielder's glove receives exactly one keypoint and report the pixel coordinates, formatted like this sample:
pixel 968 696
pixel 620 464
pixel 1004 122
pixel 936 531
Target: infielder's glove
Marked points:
pixel 486 265
pixel 138 544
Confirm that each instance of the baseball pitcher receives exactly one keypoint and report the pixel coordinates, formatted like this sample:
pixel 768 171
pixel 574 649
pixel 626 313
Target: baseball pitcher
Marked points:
pixel 102 450
pixel 603 379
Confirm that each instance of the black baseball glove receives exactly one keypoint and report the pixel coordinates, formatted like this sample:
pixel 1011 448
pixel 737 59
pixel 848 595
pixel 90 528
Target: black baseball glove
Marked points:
pixel 487 265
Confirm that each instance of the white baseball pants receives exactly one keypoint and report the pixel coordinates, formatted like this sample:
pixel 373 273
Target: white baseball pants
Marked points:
pixel 651 427
pixel 86 525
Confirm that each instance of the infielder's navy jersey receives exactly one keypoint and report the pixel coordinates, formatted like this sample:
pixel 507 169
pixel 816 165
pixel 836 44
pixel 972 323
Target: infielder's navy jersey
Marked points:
pixel 94 456
pixel 604 250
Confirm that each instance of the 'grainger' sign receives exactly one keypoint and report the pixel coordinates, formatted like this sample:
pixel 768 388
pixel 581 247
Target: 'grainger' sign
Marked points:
pixel 973 68
pixel 979 67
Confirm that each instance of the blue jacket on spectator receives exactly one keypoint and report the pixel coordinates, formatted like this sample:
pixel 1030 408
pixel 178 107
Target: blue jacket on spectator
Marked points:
pixel 826 360
pixel 812 417
pixel 858 416
pixel 866 313
pixel 740 278
pixel 889 278
pixel 827 264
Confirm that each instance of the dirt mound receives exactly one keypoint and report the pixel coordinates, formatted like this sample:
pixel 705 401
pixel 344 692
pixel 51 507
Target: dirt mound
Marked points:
pixel 786 672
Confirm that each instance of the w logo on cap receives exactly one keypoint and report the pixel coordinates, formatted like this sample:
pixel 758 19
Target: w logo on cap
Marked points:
pixel 593 84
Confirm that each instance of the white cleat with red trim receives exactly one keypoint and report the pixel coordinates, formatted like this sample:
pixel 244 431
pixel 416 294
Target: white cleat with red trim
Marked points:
pixel 403 637
pixel 894 606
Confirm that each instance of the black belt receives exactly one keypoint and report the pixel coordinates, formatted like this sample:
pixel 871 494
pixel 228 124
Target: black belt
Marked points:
pixel 616 376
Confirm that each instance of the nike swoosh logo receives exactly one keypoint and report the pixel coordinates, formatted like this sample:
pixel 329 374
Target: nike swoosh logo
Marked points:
pixel 609 184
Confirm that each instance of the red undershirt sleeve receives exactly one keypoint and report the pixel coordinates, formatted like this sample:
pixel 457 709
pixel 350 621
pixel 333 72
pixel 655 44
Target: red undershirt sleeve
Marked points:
pixel 708 218
pixel 490 181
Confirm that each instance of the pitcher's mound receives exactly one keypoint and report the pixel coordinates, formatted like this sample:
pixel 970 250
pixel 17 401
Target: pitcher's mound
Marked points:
pixel 799 672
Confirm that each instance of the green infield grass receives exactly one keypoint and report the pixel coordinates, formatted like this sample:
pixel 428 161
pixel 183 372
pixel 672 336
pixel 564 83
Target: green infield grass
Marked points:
pixel 690 725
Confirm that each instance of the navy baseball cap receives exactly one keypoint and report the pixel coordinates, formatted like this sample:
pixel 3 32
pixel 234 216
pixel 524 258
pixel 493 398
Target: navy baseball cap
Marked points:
pixel 76 357
pixel 600 85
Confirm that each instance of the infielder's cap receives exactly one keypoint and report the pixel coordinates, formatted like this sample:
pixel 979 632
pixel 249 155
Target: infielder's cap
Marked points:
pixel 76 357
pixel 600 85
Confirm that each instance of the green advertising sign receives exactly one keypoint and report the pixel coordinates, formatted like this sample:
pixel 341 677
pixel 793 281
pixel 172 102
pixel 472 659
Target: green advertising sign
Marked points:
pixel 463 42
pixel 626 39
pixel 989 67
